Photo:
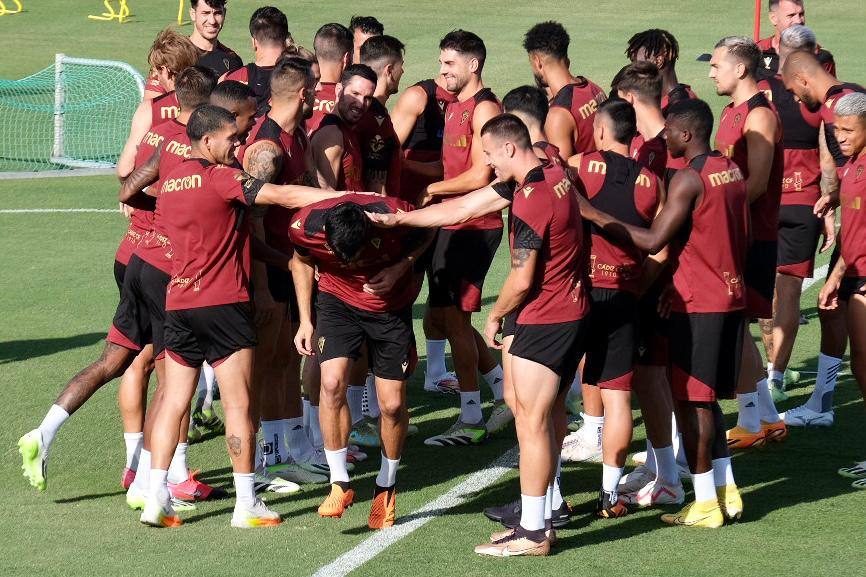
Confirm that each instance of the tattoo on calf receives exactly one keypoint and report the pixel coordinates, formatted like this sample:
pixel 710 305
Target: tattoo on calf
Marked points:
pixel 234 444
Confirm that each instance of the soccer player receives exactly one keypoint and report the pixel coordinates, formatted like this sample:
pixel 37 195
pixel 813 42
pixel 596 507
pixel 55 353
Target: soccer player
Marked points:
pixel 799 228
pixel 629 192
pixel 574 99
pixel 208 17
pixel 419 122
pixel 269 30
pixel 363 28
pixel 380 147
pixel 336 238
pixel 333 46
pixel 131 331
pixel 750 134
pixel 529 104
pixel 170 54
pixel 640 84
pixel 277 151
pixel 462 254
pixel 545 299
pixel 783 15
pixel 662 49
pixel 208 314
pixel 847 281
pixel 803 75
pixel 706 221
pixel 335 144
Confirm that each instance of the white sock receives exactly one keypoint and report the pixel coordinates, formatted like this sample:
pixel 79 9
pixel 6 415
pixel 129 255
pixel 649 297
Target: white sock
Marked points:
pixel 300 447
pixel 470 406
pixel 821 400
pixel 55 417
pixel 495 380
pixel 705 486
pixel 723 472
pixel 677 444
pixel 766 406
pixel 134 442
pixel 355 398
pixel 337 464
pixel 548 504
pixel 372 399
pixel 650 457
pixel 769 371
pixel 142 473
pixel 315 430
pixel 156 484
pixel 206 385
pixel 592 427
pixel 777 376
pixel 532 512
pixel 435 360
pixel 610 477
pixel 178 472
pixel 387 476
pixel 275 433
pixel 556 503
pixel 666 465
pixel 245 493
pixel 748 418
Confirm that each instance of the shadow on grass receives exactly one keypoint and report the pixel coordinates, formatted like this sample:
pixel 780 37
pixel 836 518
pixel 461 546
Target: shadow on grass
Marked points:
pixel 91 497
pixel 22 350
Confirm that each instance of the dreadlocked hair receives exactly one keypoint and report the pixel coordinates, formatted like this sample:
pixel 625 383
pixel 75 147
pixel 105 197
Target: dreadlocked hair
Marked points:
pixel 655 42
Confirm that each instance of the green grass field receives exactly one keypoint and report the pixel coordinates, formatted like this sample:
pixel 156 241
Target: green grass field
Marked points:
pixel 57 297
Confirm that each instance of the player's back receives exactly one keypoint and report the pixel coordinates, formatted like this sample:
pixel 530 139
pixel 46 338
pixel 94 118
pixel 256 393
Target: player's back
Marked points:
pixel 323 105
pixel 258 78
pixel 581 99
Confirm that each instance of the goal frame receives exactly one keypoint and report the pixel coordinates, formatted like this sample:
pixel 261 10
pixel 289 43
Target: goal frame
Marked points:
pixel 58 155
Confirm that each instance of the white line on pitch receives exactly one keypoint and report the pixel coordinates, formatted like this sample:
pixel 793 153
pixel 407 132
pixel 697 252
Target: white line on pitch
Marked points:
pixel 51 210
pixel 381 540
pixel 819 273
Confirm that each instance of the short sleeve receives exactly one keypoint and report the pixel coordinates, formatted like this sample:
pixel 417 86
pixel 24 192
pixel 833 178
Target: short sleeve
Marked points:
pixel 505 189
pixel 530 219
pixel 237 186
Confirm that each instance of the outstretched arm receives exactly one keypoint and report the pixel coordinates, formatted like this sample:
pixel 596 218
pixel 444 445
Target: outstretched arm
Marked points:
pixel 685 189
pixel 473 205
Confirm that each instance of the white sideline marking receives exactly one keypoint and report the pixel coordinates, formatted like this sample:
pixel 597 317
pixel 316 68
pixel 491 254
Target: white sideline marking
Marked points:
pixel 381 540
pixel 819 273
pixel 51 210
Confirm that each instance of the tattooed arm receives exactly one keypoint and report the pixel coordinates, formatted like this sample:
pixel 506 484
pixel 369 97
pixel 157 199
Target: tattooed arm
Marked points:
pixel 132 191
pixel 262 160
pixel 513 292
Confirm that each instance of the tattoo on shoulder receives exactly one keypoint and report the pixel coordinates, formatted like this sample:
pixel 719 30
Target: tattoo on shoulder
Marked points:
pixel 519 257
pixel 264 163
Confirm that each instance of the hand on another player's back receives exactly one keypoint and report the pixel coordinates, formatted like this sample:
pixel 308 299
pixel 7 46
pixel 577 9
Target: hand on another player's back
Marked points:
pixel 388 220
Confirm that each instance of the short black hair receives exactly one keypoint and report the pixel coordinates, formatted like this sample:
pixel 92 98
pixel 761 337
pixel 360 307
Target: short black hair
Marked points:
pixel 467 43
pixel 361 70
pixel 367 25
pixel 205 119
pixel 529 100
pixel 642 79
pixel 377 49
pixel 231 92
pixel 215 4
pixel 346 230
pixel 508 127
pixel 269 25
pixel 622 117
pixel 655 42
pixel 548 38
pixel 332 42
pixel 695 115
pixel 193 86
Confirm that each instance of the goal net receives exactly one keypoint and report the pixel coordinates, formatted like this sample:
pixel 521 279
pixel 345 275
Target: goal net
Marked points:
pixel 74 114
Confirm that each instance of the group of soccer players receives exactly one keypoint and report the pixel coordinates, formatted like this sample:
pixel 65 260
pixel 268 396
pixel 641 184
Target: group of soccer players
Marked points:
pixel 282 220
